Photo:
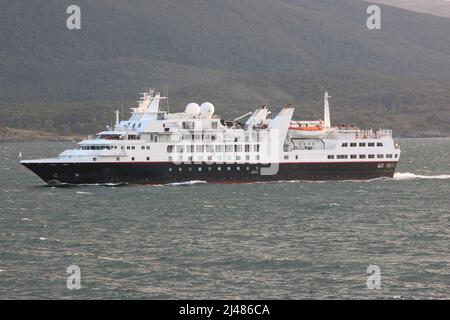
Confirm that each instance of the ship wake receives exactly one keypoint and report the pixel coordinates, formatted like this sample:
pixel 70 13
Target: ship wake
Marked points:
pixel 412 176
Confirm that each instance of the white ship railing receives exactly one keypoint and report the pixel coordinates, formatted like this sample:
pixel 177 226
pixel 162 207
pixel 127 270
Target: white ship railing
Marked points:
pixel 370 134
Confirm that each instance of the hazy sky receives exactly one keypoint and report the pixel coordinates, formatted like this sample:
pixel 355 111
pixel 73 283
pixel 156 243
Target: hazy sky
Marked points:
pixel 437 7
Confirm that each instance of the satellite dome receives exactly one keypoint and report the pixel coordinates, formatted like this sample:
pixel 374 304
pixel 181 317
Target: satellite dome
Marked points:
pixel 193 109
pixel 207 109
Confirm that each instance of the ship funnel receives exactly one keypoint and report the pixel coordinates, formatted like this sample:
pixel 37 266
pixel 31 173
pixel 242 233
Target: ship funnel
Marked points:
pixel 326 110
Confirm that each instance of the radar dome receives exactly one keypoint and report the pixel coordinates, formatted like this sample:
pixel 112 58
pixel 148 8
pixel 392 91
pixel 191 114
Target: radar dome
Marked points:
pixel 207 109
pixel 193 109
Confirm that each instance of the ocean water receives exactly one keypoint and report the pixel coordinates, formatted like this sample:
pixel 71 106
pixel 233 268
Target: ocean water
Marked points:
pixel 280 240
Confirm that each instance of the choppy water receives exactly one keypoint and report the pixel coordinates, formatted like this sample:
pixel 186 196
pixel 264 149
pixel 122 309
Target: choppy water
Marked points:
pixel 291 240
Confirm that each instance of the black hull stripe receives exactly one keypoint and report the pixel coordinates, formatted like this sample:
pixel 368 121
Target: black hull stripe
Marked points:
pixel 167 172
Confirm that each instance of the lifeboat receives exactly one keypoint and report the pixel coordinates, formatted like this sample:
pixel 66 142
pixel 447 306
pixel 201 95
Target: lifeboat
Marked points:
pixel 306 131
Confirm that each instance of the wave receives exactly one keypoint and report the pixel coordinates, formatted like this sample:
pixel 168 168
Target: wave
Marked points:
pixel 412 176
pixel 187 183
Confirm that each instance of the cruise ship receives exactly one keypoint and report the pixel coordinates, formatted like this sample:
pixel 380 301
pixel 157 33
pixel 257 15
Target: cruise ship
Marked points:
pixel 155 146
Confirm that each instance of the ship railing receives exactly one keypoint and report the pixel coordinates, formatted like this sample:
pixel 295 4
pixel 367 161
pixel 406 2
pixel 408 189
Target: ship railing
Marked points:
pixel 370 134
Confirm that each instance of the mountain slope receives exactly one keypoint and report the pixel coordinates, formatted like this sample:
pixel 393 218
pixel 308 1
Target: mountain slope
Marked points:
pixel 236 53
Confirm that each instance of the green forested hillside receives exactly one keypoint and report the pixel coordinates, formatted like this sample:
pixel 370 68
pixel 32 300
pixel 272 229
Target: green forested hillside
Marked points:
pixel 237 54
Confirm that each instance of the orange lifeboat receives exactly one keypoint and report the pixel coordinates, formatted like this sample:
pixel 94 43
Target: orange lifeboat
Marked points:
pixel 311 128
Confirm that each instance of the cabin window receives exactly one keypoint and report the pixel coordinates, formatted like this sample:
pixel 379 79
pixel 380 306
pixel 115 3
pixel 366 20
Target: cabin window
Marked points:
pixel 342 156
pixel 238 158
pixel 209 148
pixel 117 159
pixel 228 148
pixel 345 144
pixel 199 169
pixel 353 144
pixel 219 168
pixel 353 156
pixel 170 158
pixel 209 158
pixel 362 156
pixel 238 168
pixel 371 156
pixel 148 158
pixel 170 169
pixel 148 147
pixel 396 155
pixel 94 159
pixel 257 157
pixel 180 169
pixel 132 148
pixel 380 156
pixel 247 158
pixel 219 148
pixel 128 147
pixel 247 148
pixel 132 158
pixel 237 148
pixel 379 144
pixel 256 148
pixel 362 144
pixel 170 149
pixel 214 125
pixel 142 148
pixel 330 156
pixel 286 157
pixel 229 168
pixel 180 149
pixel 371 144
pixel 200 148
pixel 389 156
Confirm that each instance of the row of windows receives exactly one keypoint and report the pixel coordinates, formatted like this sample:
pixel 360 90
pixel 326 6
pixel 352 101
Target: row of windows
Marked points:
pixel 361 156
pixel 212 148
pixel 362 144
pixel 112 147
pixel 238 168
pixel 218 158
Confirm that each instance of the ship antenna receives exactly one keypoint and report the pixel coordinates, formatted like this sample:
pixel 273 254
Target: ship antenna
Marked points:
pixel 167 99
pixel 122 108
